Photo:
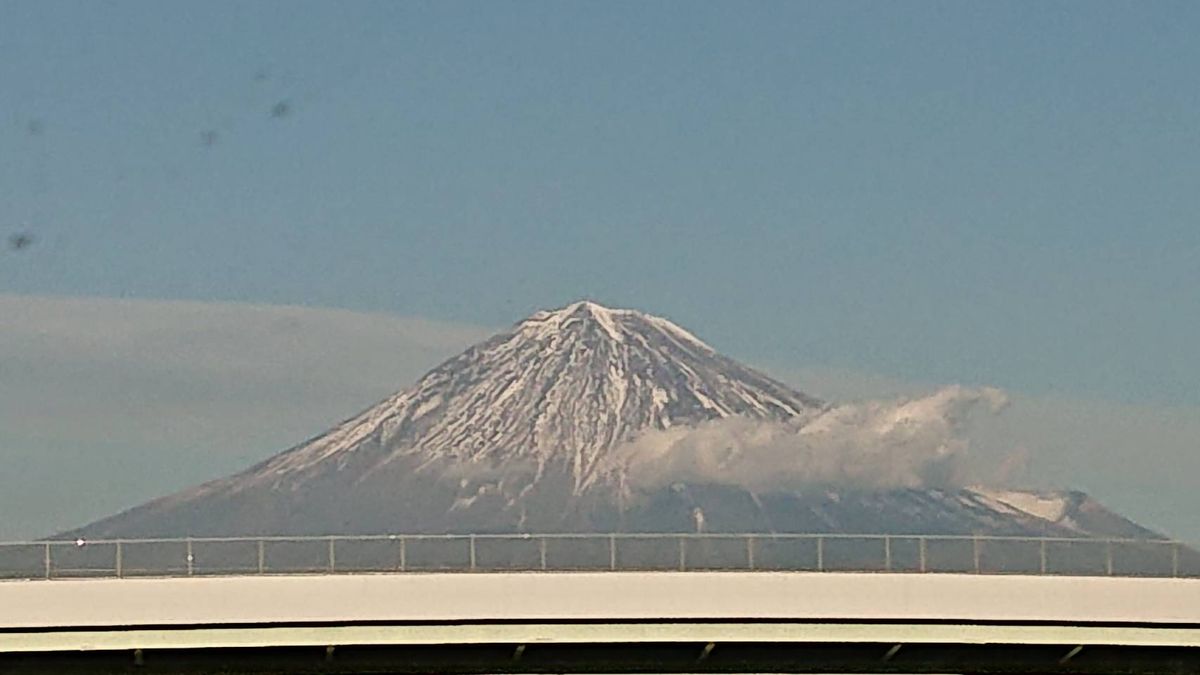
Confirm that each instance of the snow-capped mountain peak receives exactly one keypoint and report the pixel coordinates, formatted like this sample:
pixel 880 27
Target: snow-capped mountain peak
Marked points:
pixel 617 324
pixel 531 430
pixel 565 387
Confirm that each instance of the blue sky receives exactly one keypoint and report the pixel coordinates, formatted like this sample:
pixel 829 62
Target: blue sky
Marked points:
pixel 992 193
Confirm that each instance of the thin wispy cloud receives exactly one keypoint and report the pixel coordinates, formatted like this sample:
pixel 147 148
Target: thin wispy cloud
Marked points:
pixel 105 403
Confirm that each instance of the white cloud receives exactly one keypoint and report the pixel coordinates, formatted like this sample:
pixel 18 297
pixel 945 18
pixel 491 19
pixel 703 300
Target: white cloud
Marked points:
pixel 1140 460
pixel 898 443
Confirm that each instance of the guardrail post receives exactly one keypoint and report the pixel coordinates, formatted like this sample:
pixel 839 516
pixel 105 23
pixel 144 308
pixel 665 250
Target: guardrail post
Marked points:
pixel 921 551
pixel 612 551
pixel 262 557
pixel 682 554
pixel 46 559
pixel 120 571
pixel 1174 559
pixel 471 539
pixel 975 552
pixel 750 552
pixel 332 556
pixel 191 560
pixel 1042 556
pixel 1108 557
pixel 820 553
pixel 542 552
pixel 403 554
pixel 887 553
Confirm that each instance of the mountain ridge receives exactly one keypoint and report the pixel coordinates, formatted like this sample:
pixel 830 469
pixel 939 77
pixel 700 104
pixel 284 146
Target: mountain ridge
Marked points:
pixel 528 431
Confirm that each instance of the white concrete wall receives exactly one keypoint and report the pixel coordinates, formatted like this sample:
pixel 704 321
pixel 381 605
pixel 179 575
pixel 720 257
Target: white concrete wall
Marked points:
pixel 606 595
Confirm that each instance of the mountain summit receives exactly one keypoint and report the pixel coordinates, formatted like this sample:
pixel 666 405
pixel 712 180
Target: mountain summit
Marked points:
pixel 531 429
pixel 560 390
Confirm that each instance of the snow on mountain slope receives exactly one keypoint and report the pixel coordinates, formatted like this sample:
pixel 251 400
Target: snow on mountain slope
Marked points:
pixel 563 386
pixel 1047 506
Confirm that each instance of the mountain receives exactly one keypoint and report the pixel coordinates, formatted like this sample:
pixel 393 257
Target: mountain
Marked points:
pixel 529 432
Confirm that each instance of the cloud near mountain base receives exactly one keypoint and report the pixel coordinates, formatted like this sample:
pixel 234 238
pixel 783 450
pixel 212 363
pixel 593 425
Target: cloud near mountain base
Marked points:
pixel 912 442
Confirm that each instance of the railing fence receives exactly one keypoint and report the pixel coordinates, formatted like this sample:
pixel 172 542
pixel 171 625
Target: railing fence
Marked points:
pixel 596 552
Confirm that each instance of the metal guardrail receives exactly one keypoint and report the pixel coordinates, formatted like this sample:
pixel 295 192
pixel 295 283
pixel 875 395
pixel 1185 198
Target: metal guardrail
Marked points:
pixel 596 552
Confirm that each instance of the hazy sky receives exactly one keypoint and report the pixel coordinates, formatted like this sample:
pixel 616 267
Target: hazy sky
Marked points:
pixel 982 193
